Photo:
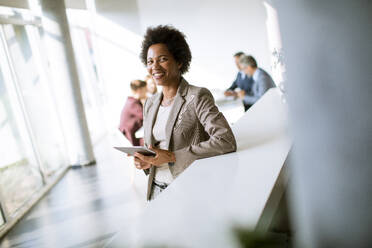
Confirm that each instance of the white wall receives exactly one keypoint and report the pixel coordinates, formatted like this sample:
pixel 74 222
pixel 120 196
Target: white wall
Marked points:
pixel 124 13
pixel 215 30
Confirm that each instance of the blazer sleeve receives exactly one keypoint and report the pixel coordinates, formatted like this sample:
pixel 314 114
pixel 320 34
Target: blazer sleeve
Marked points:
pixel 221 138
pixel 234 85
pixel 264 84
pixel 145 105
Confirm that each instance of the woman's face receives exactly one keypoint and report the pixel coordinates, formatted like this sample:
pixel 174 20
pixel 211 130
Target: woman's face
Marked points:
pixel 162 66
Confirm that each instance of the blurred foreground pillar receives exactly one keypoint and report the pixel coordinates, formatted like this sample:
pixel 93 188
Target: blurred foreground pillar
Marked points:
pixel 328 52
pixel 65 82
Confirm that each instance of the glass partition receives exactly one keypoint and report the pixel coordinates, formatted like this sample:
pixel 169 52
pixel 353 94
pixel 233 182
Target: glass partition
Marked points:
pixel 22 44
pixel 31 138
pixel 20 177
pixel 91 88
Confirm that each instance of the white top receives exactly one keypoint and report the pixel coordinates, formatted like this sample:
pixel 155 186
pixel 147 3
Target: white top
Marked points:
pixel 162 173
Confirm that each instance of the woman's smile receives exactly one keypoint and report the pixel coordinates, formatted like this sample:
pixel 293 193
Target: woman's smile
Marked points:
pixel 158 74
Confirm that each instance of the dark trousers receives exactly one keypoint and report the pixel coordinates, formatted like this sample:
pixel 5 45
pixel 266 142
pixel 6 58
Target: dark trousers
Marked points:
pixel 246 107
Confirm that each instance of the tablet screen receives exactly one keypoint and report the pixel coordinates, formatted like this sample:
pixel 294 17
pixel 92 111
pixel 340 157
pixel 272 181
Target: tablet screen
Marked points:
pixel 140 149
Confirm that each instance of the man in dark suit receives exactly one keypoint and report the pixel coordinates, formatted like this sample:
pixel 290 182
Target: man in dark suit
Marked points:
pixel 242 81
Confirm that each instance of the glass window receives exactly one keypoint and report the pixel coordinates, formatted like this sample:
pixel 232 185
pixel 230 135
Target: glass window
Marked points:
pixel 19 173
pixel 91 89
pixel 22 43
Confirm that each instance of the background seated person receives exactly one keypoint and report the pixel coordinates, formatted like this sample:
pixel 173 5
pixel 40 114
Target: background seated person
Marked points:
pixel 242 81
pixel 262 81
pixel 131 118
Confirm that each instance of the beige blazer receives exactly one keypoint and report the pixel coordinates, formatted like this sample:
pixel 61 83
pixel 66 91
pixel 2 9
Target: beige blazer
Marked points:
pixel 195 128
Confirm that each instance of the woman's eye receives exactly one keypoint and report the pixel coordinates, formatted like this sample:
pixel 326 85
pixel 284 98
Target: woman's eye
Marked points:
pixel 163 59
pixel 149 62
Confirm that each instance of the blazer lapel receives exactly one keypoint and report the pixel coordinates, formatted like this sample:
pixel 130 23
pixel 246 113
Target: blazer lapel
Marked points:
pixel 177 105
pixel 151 116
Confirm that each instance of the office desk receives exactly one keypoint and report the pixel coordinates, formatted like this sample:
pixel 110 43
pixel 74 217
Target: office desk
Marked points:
pixel 232 109
pixel 199 208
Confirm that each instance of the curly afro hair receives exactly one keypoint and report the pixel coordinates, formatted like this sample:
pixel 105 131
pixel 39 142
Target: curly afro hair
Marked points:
pixel 173 39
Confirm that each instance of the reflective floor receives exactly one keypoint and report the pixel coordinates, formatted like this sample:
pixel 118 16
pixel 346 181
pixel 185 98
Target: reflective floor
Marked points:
pixel 86 208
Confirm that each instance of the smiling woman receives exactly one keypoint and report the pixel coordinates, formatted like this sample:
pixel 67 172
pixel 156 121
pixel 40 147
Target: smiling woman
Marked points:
pixel 181 123
pixel 174 41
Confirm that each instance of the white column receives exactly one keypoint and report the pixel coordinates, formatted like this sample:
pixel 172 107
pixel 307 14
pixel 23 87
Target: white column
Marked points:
pixel 275 44
pixel 65 80
pixel 328 55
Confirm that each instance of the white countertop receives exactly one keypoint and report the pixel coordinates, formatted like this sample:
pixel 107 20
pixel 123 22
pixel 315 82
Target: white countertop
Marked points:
pixel 200 206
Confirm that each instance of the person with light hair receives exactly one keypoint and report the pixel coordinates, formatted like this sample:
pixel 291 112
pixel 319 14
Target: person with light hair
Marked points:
pixel 262 81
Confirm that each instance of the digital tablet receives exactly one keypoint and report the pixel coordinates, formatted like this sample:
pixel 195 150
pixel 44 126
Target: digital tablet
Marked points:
pixel 140 149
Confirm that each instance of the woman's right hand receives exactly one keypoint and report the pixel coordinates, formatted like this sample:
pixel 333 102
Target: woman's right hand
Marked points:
pixel 141 165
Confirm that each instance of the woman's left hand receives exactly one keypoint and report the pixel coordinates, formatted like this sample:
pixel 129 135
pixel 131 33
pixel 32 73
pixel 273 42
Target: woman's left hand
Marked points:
pixel 161 157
